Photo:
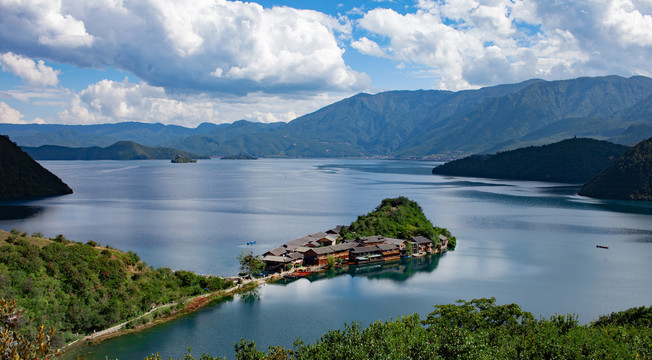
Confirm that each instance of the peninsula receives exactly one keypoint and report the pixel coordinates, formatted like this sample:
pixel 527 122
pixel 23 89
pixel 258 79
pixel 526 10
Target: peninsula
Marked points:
pixel 396 228
pixel 629 178
pixel 22 177
pixel 573 160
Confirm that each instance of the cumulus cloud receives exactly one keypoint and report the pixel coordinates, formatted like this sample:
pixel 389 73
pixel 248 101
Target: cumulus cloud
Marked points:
pixel 471 43
pixel 34 73
pixel 117 101
pixel 213 46
pixel 8 115
pixel 631 26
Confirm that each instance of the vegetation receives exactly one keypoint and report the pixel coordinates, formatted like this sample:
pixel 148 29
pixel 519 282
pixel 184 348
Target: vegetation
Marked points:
pixel 571 161
pixel 121 150
pixel 16 346
pixel 239 157
pixel 629 178
pixel 181 160
pixel 476 329
pixel 22 177
pixel 78 288
pixel 399 218
pixel 403 124
pixel 250 264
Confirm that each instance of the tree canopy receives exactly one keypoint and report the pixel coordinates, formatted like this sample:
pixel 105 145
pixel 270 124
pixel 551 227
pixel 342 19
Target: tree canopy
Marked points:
pixel 399 218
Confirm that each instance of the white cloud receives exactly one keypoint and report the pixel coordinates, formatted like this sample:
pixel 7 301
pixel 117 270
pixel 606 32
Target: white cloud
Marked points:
pixel 471 43
pixel 42 23
pixel 368 47
pixel 118 101
pixel 213 46
pixel 34 73
pixel 631 26
pixel 8 115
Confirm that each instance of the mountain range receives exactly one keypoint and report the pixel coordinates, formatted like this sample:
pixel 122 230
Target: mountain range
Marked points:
pixel 121 150
pixel 430 124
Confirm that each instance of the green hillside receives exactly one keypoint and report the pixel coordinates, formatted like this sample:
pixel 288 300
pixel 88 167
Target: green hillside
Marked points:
pixel 80 288
pixel 403 124
pixel 629 178
pixel 22 177
pixel 569 161
pixel 399 218
pixel 121 150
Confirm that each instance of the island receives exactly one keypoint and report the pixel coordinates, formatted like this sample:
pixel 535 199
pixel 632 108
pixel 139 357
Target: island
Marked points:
pixel 396 228
pixel 573 160
pixel 181 160
pixel 239 157
pixel 629 178
pixel 22 177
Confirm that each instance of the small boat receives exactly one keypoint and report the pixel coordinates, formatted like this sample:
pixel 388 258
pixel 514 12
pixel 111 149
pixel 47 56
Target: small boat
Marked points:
pixel 602 247
pixel 251 243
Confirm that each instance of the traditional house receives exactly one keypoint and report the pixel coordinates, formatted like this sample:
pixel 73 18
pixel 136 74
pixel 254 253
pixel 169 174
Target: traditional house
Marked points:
pixel 389 252
pixel 371 240
pixel 422 244
pixel 279 251
pixel 365 254
pixel 276 263
pixel 319 256
pixel 443 243
pixel 336 230
pixel 401 243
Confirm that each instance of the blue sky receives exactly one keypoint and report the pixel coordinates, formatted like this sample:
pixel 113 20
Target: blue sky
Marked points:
pixel 191 61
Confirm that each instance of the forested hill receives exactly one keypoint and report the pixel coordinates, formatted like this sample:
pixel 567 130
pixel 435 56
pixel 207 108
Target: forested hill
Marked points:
pixel 79 288
pixel 402 124
pixel 399 218
pixel 22 177
pixel 121 150
pixel 629 178
pixel 569 161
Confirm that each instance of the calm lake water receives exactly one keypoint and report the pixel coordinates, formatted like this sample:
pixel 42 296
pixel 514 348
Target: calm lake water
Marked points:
pixel 530 243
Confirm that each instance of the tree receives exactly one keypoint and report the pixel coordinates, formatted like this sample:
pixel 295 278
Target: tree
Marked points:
pixel 250 264
pixel 331 262
pixel 16 346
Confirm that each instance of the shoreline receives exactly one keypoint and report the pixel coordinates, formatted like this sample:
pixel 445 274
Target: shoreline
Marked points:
pixel 191 305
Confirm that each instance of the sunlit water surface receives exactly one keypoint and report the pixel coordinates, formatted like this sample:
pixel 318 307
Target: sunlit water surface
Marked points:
pixel 526 242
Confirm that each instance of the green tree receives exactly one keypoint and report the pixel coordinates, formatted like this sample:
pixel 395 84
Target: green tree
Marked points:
pixel 331 262
pixel 250 264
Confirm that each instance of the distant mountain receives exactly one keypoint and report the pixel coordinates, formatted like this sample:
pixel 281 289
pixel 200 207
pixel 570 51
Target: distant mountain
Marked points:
pixel 121 150
pixel 404 124
pixel 34 135
pixel 22 177
pixel 569 161
pixel 629 178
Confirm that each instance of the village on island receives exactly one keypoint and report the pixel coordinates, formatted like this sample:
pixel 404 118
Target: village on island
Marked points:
pixel 319 251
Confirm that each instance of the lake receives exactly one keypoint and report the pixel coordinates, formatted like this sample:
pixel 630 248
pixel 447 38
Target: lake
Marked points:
pixel 531 243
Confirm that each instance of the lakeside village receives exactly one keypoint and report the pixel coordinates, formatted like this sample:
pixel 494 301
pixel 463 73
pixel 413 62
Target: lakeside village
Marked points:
pixel 318 251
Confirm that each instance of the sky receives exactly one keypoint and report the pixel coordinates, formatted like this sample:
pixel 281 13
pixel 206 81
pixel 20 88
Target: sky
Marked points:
pixel 186 62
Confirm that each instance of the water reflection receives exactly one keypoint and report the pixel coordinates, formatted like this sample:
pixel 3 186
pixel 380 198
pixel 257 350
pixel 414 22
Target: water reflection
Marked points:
pixel 398 271
pixel 19 212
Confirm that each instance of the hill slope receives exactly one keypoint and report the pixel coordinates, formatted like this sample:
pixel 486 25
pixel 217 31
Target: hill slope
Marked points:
pixel 629 178
pixel 121 150
pixel 570 161
pixel 399 218
pixel 22 177
pixel 404 124
pixel 80 288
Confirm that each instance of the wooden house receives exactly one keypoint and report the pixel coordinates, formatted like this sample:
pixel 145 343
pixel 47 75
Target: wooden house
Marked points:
pixel 422 244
